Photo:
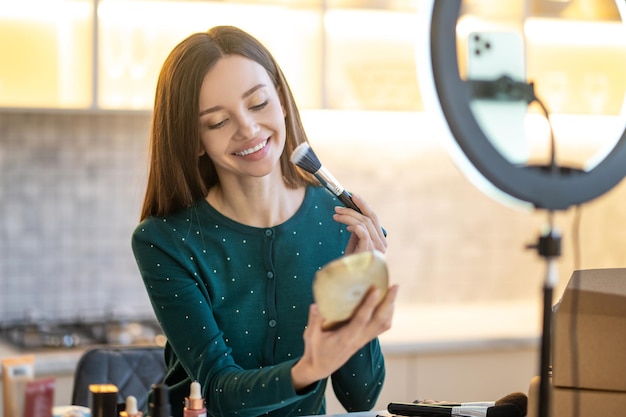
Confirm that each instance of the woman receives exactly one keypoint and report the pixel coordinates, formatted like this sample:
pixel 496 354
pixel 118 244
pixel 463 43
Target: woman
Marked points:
pixel 231 236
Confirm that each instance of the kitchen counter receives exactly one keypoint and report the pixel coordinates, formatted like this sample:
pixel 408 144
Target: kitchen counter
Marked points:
pixel 47 361
pixel 424 347
pixel 415 330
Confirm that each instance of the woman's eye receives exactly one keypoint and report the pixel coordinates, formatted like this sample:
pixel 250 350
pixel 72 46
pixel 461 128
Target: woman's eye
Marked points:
pixel 217 125
pixel 259 106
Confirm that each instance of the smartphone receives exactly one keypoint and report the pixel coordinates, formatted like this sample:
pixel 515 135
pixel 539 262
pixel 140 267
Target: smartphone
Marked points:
pixel 490 56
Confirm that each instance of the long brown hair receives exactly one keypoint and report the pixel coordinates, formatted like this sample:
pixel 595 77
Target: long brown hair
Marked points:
pixel 177 176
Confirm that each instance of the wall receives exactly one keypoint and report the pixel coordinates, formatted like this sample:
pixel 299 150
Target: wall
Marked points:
pixel 70 190
pixel 71 187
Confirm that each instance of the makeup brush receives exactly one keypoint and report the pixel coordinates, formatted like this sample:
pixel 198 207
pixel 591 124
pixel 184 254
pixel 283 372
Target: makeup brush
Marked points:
pixel 304 157
pixel 518 398
pixel 433 410
pixel 511 405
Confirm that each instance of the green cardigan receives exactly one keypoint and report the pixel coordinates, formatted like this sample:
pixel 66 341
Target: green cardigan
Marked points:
pixel 233 302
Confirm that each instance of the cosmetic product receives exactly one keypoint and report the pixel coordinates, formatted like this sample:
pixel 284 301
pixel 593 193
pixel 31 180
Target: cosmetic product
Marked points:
pixel 70 411
pixel 512 405
pixel 433 410
pixel 103 400
pixel 160 403
pixel 304 157
pixel 520 399
pixel 194 404
pixel 16 372
pixel 130 409
pixel 39 399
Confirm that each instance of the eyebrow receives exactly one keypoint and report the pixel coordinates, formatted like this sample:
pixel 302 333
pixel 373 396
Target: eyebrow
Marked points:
pixel 244 95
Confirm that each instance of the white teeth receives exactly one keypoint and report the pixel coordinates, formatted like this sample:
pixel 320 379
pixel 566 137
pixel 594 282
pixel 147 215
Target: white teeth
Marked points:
pixel 252 150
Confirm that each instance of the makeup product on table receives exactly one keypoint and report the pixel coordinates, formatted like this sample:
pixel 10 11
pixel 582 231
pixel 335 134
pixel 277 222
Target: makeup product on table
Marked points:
pixel 511 405
pixel 160 403
pixel 16 373
pixel 70 411
pixel 518 398
pixel 194 404
pixel 39 399
pixel 432 410
pixel 103 400
pixel 130 409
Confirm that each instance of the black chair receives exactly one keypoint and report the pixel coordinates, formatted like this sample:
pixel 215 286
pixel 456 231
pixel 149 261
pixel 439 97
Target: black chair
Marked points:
pixel 133 369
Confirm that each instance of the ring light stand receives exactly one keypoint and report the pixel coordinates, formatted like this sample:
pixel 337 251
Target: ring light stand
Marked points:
pixel 551 189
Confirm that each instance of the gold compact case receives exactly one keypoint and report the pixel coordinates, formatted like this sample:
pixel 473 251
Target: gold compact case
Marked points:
pixel 340 286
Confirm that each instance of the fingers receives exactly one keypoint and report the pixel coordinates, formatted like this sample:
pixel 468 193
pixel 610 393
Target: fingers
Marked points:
pixel 365 310
pixel 367 233
pixel 373 317
pixel 360 240
pixel 367 211
pixel 385 309
pixel 326 351
pixel 314 322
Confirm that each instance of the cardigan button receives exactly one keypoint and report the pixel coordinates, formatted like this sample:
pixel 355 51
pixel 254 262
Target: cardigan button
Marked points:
pixel 272 323
pixel 270 274
pixel 268 232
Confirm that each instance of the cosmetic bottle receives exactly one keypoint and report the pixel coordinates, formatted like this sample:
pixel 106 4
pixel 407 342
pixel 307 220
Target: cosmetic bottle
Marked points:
pixel 194 404
pixel 103 400
pixel 16 373
pixel 130 410
pixel 160 404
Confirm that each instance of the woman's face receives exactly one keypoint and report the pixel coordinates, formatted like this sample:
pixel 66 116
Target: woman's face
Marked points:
pixel 242 120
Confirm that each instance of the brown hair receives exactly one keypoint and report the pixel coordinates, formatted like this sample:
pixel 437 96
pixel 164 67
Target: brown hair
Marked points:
pixel 177 176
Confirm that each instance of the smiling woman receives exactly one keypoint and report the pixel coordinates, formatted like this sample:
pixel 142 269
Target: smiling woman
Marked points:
pixel 232 234
pixel 236 129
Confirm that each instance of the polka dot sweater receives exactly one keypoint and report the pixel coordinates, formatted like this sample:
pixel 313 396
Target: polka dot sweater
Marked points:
pixel 233 302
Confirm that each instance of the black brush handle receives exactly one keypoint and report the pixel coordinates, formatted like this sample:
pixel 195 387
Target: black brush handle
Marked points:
pixel 327 180
pixel 417 410
pixel 346 200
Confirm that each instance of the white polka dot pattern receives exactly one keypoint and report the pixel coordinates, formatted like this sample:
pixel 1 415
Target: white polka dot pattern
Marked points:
pixel 233 301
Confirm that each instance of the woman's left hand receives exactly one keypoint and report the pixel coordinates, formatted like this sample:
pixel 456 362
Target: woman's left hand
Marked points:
pixel 366 231
pixel 325 351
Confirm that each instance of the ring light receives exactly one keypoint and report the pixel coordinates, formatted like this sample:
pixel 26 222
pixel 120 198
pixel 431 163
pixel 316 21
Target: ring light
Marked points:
pixel 532 185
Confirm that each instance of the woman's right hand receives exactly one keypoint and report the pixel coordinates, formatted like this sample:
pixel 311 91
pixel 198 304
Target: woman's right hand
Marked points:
pixel 325 351
pixel 366 233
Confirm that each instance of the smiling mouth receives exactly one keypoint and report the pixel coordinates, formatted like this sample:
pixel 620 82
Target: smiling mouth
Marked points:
pixel 252 150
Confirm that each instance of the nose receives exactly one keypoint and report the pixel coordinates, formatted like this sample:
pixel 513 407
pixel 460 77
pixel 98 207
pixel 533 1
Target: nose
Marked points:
pixel 247 126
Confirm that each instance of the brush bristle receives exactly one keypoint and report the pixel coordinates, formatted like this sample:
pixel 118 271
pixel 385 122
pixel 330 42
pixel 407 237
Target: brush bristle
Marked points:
pixel 518 399
pixel 504 410
pixel 305 158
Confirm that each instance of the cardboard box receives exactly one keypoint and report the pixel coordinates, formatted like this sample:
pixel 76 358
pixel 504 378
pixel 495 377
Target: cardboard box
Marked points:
pixel 573 402
pixel 589 332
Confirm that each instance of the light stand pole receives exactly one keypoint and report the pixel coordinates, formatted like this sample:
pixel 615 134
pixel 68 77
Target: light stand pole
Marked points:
pixel 549 248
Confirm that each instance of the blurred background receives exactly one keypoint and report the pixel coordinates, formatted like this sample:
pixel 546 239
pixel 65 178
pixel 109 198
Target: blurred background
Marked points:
pixel 77 84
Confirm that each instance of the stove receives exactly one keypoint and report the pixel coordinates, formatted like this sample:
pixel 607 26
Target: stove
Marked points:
pixel 72 334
